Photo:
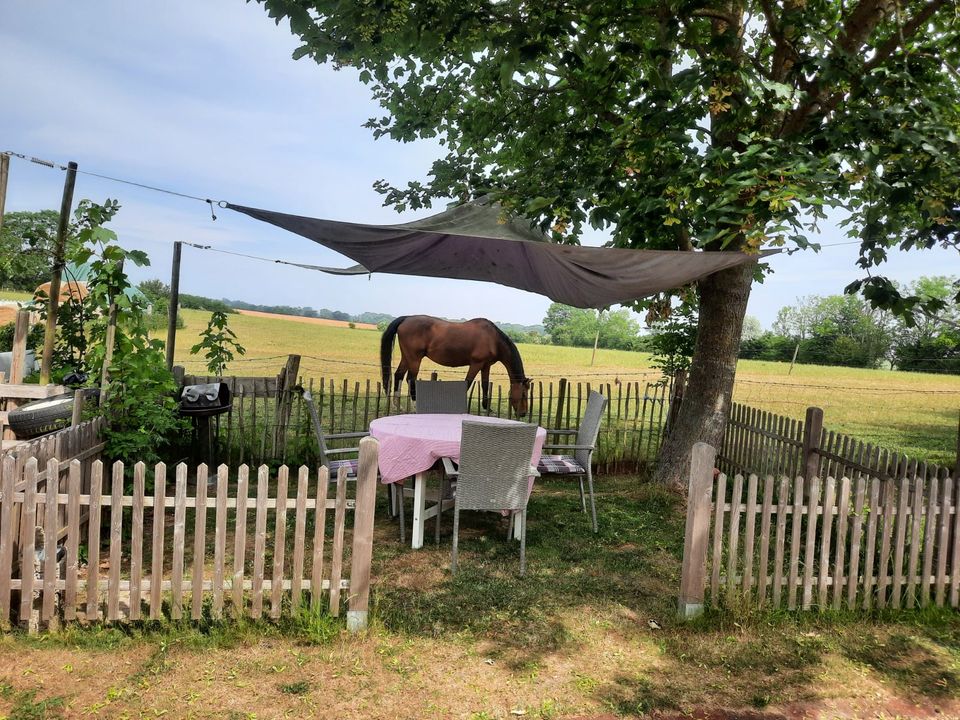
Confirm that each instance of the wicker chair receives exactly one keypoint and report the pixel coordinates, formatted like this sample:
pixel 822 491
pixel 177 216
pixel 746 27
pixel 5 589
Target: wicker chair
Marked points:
pixel 442 396
pixel 445 397
pixel 494 474
pixel 578 464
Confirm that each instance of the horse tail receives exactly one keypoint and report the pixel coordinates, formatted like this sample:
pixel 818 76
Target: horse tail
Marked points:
pixel 386 350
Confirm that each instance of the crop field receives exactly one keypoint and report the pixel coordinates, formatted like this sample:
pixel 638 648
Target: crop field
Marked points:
pixel 912 412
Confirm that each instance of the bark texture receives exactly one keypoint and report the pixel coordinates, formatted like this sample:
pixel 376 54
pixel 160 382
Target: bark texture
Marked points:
pixel 703 414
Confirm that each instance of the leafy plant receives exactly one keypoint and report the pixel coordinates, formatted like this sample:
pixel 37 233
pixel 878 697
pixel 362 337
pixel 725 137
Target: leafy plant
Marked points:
pixel 219 344
pixel 138 400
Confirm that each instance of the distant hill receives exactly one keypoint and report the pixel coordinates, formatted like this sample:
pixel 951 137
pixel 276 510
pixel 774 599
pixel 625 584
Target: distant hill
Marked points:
pixel 373 318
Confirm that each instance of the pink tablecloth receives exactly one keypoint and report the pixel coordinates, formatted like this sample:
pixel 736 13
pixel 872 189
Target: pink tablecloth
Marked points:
pixel 410 444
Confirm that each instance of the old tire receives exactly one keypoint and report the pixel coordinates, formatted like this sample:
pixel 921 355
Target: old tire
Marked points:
pixel 41 416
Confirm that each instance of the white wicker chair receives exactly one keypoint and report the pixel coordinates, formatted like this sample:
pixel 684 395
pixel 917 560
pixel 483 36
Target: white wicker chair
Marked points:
pixel 578 464
pixel 494 475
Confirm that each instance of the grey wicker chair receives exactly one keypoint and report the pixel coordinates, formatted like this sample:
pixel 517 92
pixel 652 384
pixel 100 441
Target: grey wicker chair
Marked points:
pixel 494 474
pixel 578 463
pixel 442 396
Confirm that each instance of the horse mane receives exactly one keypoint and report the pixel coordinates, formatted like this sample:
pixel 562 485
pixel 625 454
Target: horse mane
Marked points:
pixel 515 369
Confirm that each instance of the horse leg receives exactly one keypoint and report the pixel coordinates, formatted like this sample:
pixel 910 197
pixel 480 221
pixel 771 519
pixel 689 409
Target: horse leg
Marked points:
pixel 485 379
pixel 472 374
pixel 397 380
pixel 414 369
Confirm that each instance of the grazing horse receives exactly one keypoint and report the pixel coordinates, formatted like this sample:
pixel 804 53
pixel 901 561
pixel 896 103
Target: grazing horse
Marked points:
pixel 477 343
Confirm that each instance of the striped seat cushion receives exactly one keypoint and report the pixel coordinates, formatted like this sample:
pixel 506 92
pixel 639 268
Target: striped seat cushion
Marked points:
pixel 335 465
pixel 560 464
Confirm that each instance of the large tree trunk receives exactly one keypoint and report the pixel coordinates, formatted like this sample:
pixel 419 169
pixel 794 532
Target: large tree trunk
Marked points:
pixel 706 402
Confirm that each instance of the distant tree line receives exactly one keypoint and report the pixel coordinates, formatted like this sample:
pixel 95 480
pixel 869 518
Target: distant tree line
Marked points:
pixel 846 330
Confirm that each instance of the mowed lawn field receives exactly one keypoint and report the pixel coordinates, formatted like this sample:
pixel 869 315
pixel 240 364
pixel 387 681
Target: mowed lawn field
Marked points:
pixel 914 413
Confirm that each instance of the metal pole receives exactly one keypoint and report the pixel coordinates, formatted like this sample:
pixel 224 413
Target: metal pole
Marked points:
pixel 174 302
pixel 58 261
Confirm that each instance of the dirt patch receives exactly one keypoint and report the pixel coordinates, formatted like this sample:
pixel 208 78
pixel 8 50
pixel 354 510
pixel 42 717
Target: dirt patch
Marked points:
pixel 308 320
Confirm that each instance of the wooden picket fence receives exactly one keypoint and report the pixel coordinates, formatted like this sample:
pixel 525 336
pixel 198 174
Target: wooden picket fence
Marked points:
pixel 82 443
pixel 146 541
pixel 269 421
pixel 761 442
pixel 855 542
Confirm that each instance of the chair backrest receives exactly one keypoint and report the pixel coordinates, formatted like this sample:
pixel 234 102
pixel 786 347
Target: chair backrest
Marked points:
pixel 442 396
pixel 317 429
pixel 590 426
pixel 495 465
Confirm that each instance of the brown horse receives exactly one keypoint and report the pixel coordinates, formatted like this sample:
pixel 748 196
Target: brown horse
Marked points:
pixel 477 343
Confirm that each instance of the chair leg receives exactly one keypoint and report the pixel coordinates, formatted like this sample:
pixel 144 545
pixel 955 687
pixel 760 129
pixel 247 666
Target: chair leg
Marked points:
pixel 593 504
pixel 403 529
pixel 583 498
pixel 456 533
pixel 523 542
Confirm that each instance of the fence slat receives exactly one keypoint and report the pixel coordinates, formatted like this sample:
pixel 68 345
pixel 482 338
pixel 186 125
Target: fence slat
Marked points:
pixel 73 544
pixel 929 540
pixel 942 545
pixel 240 539
pixel 955 551
pixel 219 542
pixel 765 511
pixel 336 562
pixel 793 578
pixel 7 535
pixel 179 538
pixel 734 536
pixel 319 535
pixel 783 501
pixel 28 539
pixel 899 546
pixel 50 530
pixel 868 557
pixel 199 543
pixel 280 539
pixel 136 540
pixel 888 500
pixel 93 542
pixel 720 497
pixel 299 533
pixel 116 537
pixel 916 521
pixel 826 533
pixel 156 564
pixel 856 535
pixel 750 534
pixel 259 541
pixel 810 543
pixel 841 541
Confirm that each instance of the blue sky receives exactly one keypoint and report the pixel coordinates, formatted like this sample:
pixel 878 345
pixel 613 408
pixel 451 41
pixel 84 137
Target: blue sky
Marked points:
pixel 204 98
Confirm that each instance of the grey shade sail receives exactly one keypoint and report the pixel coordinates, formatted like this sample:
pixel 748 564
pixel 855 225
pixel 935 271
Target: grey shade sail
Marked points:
pixel 473 241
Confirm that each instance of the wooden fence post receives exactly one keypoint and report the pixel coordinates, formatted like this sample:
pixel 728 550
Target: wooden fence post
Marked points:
pixel 287 381
pixel 812 430
pixel 677 387
pixel 363 535
pixel 693 572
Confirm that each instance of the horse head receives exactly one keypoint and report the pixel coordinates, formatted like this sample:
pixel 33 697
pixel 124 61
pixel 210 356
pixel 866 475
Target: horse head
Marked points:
pixel 519 391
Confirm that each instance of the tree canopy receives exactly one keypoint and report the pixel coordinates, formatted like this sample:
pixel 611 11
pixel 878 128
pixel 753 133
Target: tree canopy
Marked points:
pixel 726 126
pixel 26 248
